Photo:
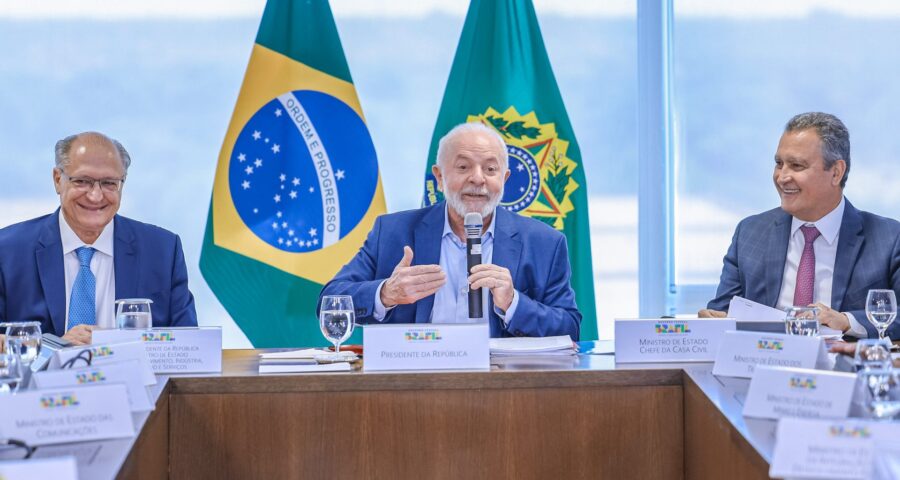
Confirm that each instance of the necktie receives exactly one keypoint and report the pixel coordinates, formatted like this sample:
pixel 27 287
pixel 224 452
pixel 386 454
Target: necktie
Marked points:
pixel 82 310
pixel 806 271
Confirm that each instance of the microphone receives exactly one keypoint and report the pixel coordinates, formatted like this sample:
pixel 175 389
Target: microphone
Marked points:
pixel 473 224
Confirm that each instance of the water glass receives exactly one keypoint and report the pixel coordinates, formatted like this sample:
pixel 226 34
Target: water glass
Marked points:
pixel 337 318
pixel 881 309
pixel 10 372
pixel 23 339
pixel 802 321
pixel 872 354
pixel 134 313
pixel 880 392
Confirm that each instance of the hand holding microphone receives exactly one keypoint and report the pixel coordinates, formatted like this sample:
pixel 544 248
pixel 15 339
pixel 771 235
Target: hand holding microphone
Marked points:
pixel 484 275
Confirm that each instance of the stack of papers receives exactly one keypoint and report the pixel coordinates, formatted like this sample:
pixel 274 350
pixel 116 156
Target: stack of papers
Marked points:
pixel 297 361
pixel 561 345
pixel 748 311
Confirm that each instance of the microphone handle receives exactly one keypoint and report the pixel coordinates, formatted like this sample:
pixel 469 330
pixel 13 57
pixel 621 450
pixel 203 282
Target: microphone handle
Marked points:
pixel 473 257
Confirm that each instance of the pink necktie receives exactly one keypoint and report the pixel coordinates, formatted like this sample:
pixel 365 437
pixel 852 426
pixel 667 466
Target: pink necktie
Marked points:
pixel 806 271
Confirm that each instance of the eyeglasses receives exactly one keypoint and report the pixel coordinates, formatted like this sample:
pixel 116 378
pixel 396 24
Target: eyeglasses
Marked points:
pixel 86 184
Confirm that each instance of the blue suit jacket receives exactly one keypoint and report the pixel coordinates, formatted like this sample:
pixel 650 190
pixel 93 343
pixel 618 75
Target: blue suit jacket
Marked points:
pixel 868 256
pixel 148 263
pixel 535 254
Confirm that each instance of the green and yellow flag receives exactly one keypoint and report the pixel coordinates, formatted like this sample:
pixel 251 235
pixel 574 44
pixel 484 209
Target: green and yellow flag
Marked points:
pixel 297 186
pixel 501 76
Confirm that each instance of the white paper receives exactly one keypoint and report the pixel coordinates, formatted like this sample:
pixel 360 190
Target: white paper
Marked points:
pixel 306 353
pixel 59 468
pixel 740 352
pixel 45 417
pixel 174 350
pixel 669 340
pixel 777 392
pixel 105 353
pixel 532 345
pixel 747 310
pixel 322 367
pixel 433 346
pixel 127 373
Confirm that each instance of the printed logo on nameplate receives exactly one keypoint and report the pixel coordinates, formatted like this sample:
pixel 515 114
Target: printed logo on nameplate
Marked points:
pixel 126 373
pixel 76 414
pixel 777 392
pixel 817 448
pixel 741 352
pixel 669 340
pixel 102 353
pixel 434 346
pixel 175 350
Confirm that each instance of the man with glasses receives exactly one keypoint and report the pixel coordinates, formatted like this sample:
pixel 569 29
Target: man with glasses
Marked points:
pixel 66 269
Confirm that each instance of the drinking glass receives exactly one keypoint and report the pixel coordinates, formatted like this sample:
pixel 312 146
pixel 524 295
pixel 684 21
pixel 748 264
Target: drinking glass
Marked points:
pixel 10 372
pixel 336 319
pixel 881 392
pixel 872 353
pixel 881 309
pixel 23 339
pixel 134 313
pixel 802 321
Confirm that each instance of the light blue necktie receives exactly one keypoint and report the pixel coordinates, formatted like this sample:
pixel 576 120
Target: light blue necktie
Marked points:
pixel 82 310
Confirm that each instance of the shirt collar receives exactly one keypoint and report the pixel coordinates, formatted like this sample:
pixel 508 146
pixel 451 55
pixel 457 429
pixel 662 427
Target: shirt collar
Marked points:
pixel 449 231
pixel 829 226
pixel 71 242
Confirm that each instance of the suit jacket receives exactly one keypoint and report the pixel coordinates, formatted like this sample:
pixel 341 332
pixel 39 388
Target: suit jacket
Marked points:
pixel 868 256
pixel 535 254
pixel 148 263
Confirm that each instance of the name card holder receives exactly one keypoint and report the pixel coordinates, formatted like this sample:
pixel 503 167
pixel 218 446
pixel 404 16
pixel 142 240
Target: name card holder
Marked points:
pixel 57 468
pixel 669 340
pixel 176 349
pixel 431 346
pixel 833 449
pixel 777 392
pixel 103 354
pixel 46 417
pixel 741 352
pixel 126 373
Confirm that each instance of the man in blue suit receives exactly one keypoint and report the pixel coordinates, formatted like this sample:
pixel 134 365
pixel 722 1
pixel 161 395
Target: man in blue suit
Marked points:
pixel 817 248
pixel 525 265
pixel 66 269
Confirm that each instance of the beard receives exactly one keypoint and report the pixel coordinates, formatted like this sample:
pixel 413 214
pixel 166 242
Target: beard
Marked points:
pixel 455 201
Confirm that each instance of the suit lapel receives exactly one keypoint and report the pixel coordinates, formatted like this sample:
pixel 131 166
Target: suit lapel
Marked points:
pixel 506 253
pixel 49 258
pixel 125 260
pixel 427 251
pixel 778 240
pixel 850 241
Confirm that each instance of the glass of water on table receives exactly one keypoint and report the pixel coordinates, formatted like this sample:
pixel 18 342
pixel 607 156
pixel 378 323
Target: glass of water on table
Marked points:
pixel 134 313
pixel 336 319
pixel 802 321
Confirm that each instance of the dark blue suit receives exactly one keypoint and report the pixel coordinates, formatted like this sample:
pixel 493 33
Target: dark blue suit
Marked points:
pixel 868 257
pixel 535 254
pixel 148 263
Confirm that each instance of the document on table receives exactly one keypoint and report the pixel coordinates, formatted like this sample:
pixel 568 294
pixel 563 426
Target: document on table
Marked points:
pixel 559 345
pixel 744 310
pixel 301 368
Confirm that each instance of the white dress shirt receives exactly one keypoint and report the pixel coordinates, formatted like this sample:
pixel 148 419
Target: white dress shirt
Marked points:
pixel 825 247
pixel 101 266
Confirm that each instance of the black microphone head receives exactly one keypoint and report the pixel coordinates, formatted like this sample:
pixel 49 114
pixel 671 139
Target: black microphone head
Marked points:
pixel 473 224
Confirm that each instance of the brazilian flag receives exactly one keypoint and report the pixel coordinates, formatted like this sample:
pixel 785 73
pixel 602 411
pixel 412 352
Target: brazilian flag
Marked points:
pixel 297 187
pixel 501 76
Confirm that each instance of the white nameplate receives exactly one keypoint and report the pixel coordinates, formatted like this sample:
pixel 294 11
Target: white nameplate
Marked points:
pixel 426 346
pixel 669 340
pixel 777 392
pixel 740 352
pixel 44 417
pixel 101 354
pixel 175 350
pixel 59 468
pixel 807 448
pixel 127 373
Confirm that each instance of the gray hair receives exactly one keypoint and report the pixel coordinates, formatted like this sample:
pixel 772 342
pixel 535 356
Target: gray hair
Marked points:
pixel 832 132
pixel 64 146
pixel 471 127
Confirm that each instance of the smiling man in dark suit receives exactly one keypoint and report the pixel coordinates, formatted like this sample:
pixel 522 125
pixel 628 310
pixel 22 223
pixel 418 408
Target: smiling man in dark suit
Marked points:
pixel 66 269
pixel 817 248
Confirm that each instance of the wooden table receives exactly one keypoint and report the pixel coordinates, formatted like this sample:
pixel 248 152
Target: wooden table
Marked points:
pixel 557 417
